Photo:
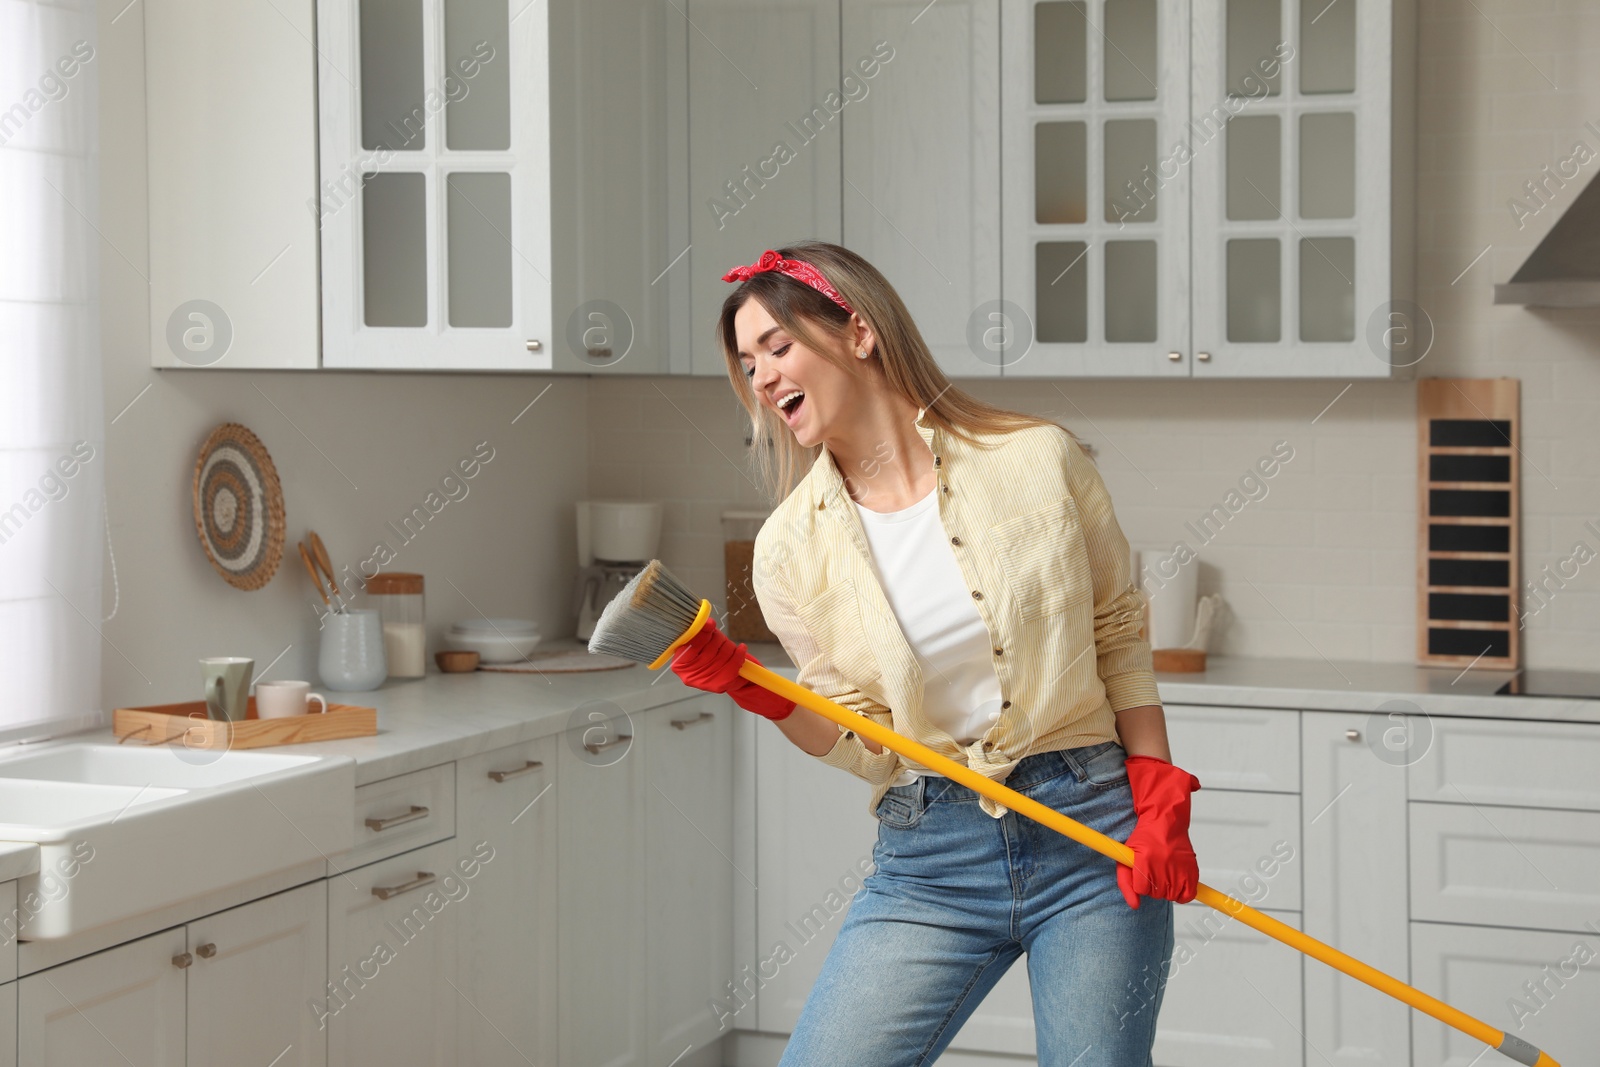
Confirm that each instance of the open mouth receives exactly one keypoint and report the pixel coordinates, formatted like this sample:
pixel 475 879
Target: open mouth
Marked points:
pixel 790 406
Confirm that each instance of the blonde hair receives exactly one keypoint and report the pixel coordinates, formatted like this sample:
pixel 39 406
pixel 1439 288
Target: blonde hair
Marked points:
pixel 908 366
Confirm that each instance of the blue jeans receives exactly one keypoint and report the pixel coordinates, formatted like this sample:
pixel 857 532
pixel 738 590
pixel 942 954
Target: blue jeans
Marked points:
pixel 958 895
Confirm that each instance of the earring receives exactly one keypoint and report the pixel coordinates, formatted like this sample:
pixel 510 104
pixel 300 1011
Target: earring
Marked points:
pixel 862 353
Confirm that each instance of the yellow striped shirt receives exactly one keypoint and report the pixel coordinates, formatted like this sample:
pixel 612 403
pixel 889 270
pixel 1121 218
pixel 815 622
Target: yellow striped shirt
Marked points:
pixel 1033 531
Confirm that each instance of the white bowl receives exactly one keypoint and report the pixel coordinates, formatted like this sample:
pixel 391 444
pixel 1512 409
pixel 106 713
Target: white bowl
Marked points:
pixel 491 647
pixel 509 627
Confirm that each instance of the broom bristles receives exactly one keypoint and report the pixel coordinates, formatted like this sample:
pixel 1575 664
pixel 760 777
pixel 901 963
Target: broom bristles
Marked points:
pixel 641 622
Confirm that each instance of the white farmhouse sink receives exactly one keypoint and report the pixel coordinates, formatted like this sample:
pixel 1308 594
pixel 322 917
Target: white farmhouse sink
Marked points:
pixel 123 831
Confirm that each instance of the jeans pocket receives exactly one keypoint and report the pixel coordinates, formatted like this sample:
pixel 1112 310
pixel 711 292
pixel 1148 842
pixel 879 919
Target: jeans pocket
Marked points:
pixel 1104 765
pixel 900 807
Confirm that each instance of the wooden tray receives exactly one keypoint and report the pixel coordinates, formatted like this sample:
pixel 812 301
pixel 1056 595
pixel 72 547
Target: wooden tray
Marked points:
pixel 186 724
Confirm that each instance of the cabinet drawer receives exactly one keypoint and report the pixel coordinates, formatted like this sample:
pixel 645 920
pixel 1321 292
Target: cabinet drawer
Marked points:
pixel 1254 749
pixel 1505 866
pixel 1234 997
pixel 1518 764
pixel 1485 971
pixel 402 813
pixel 1248 845
pixel 8 931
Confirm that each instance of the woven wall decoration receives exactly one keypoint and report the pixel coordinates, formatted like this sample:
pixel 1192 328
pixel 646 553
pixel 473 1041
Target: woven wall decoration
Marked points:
pixel 238 507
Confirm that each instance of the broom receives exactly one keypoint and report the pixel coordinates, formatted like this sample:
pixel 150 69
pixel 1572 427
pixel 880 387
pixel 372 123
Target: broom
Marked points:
pixel 655 614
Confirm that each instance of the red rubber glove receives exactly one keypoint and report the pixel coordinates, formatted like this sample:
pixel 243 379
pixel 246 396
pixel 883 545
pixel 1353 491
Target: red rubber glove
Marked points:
pixel 1164 863
pixel 711 661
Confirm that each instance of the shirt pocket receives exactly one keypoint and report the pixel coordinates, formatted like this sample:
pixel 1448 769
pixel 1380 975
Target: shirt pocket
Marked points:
pixel 1042 556
pixel 833 618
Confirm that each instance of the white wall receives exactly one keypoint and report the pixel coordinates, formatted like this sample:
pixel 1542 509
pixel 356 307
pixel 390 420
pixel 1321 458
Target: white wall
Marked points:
pixel 353 451
pixel 1324 565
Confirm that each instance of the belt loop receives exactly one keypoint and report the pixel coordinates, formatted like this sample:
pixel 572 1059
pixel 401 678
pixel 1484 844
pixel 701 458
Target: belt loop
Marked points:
pixel 922 793
pixel 1073 765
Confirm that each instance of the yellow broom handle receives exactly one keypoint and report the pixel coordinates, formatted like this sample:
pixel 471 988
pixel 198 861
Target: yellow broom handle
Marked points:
pixel 1512 1046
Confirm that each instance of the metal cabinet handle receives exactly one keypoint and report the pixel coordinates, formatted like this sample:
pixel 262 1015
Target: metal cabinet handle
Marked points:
pixel 182 960
pixel 534 344
pixel 207 950
pixel 527 768
pixel 1174 356
pixel 417 812
pixel 384 892
pixel 595 748
pixel 684 724
pixel 1203 357
pixel 1352 735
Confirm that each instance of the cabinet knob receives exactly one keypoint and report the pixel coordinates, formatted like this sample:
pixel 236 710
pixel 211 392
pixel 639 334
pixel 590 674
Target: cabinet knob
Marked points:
pixel 207 950
pixel 182 960
pixel 1203 357
pixel 534 344
pixel 1352 735
pixel 1174 356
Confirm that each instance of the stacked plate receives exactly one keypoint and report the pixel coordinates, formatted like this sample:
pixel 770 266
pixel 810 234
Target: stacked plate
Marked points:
pixel 494 640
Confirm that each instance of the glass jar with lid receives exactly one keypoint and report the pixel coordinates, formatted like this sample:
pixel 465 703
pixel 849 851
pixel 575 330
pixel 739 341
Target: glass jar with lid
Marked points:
pixel 398 598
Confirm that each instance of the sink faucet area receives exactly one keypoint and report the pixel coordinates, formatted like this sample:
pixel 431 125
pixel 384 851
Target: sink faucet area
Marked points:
pixel 142 828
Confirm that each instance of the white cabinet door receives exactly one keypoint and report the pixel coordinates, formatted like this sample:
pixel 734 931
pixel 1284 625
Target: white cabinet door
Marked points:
pixel 258 975
pixel 1233 998
pixel 1354 886
pixel 601 896
pixel 688 819
pixel 8 1025
pixel 122 1005
pixel 814 842
pixel 922 166
pixel 435 166
pixel 506 957
pixel 1532 984
pixel 391 989
pixel 231 127
pixel 1295 189
pixel 763 142
pixel 1095 198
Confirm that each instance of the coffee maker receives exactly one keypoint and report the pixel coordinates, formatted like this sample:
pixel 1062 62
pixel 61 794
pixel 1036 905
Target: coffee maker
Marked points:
pixel 616 538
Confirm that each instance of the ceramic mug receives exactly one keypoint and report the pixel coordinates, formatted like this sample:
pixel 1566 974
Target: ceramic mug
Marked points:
pixel 352 656
pixel 279 700
pixel 227 686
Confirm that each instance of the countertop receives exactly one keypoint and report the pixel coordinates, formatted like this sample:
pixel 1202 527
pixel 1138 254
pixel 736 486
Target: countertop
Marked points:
pixel 18 858
pixel 445 717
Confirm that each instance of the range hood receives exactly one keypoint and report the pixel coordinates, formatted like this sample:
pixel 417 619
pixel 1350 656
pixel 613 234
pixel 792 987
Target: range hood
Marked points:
pixel 1564 270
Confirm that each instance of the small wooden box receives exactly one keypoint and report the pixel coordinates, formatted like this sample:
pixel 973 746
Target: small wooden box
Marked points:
pixel 186 724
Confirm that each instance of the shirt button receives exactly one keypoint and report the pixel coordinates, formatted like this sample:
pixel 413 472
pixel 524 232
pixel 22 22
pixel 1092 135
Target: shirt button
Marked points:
pixel 821 504
pixel 946 488
pixel 976 595
pixel 999 651
pixel 955 540
pixel 935 461
pixel 1005 703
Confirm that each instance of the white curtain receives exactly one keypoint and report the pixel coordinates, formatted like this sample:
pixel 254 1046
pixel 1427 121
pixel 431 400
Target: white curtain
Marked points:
pixel 52 447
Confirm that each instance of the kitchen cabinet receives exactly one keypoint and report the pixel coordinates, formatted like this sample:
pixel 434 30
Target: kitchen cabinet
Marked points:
pixel 1222 188
pixel 689 873
pixel 256 971
pixel 495 185
pixel 238 986
pixel 921 157
pixel 8 1025
pixel 1354 887
pixel 231 129
pixel 507 931
pixel 764 142
pixel 127 1003
pixel 646 888
pixel 392 988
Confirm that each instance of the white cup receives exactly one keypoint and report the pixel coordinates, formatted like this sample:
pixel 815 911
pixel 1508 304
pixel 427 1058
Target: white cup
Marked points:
pixel 279 700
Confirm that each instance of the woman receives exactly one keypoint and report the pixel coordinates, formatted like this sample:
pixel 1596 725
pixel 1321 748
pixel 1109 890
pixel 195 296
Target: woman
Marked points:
pixel 947 567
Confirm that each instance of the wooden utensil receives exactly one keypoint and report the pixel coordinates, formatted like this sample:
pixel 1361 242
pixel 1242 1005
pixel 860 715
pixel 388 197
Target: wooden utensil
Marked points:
pixel 319 552
pixel 316 579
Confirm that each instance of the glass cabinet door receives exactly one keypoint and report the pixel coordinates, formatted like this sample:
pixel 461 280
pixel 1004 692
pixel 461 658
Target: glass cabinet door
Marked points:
pixel 434 205
pixel 1290 134
pixel 1095 96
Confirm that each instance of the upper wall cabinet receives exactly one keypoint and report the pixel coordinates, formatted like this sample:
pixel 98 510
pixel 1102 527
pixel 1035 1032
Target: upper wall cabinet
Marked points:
pixel 1215 188
pixel 494 184
pixel 763 144
pixel 231 148
pixel 921 191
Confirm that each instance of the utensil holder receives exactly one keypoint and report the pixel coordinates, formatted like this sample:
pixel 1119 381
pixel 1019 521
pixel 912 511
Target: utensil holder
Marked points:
pixel 352 657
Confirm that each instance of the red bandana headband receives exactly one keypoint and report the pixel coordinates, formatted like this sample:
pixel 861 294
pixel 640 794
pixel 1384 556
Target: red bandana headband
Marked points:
pixel 798 269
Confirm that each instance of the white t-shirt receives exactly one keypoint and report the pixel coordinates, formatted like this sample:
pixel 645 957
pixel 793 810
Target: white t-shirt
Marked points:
pixel 924 586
